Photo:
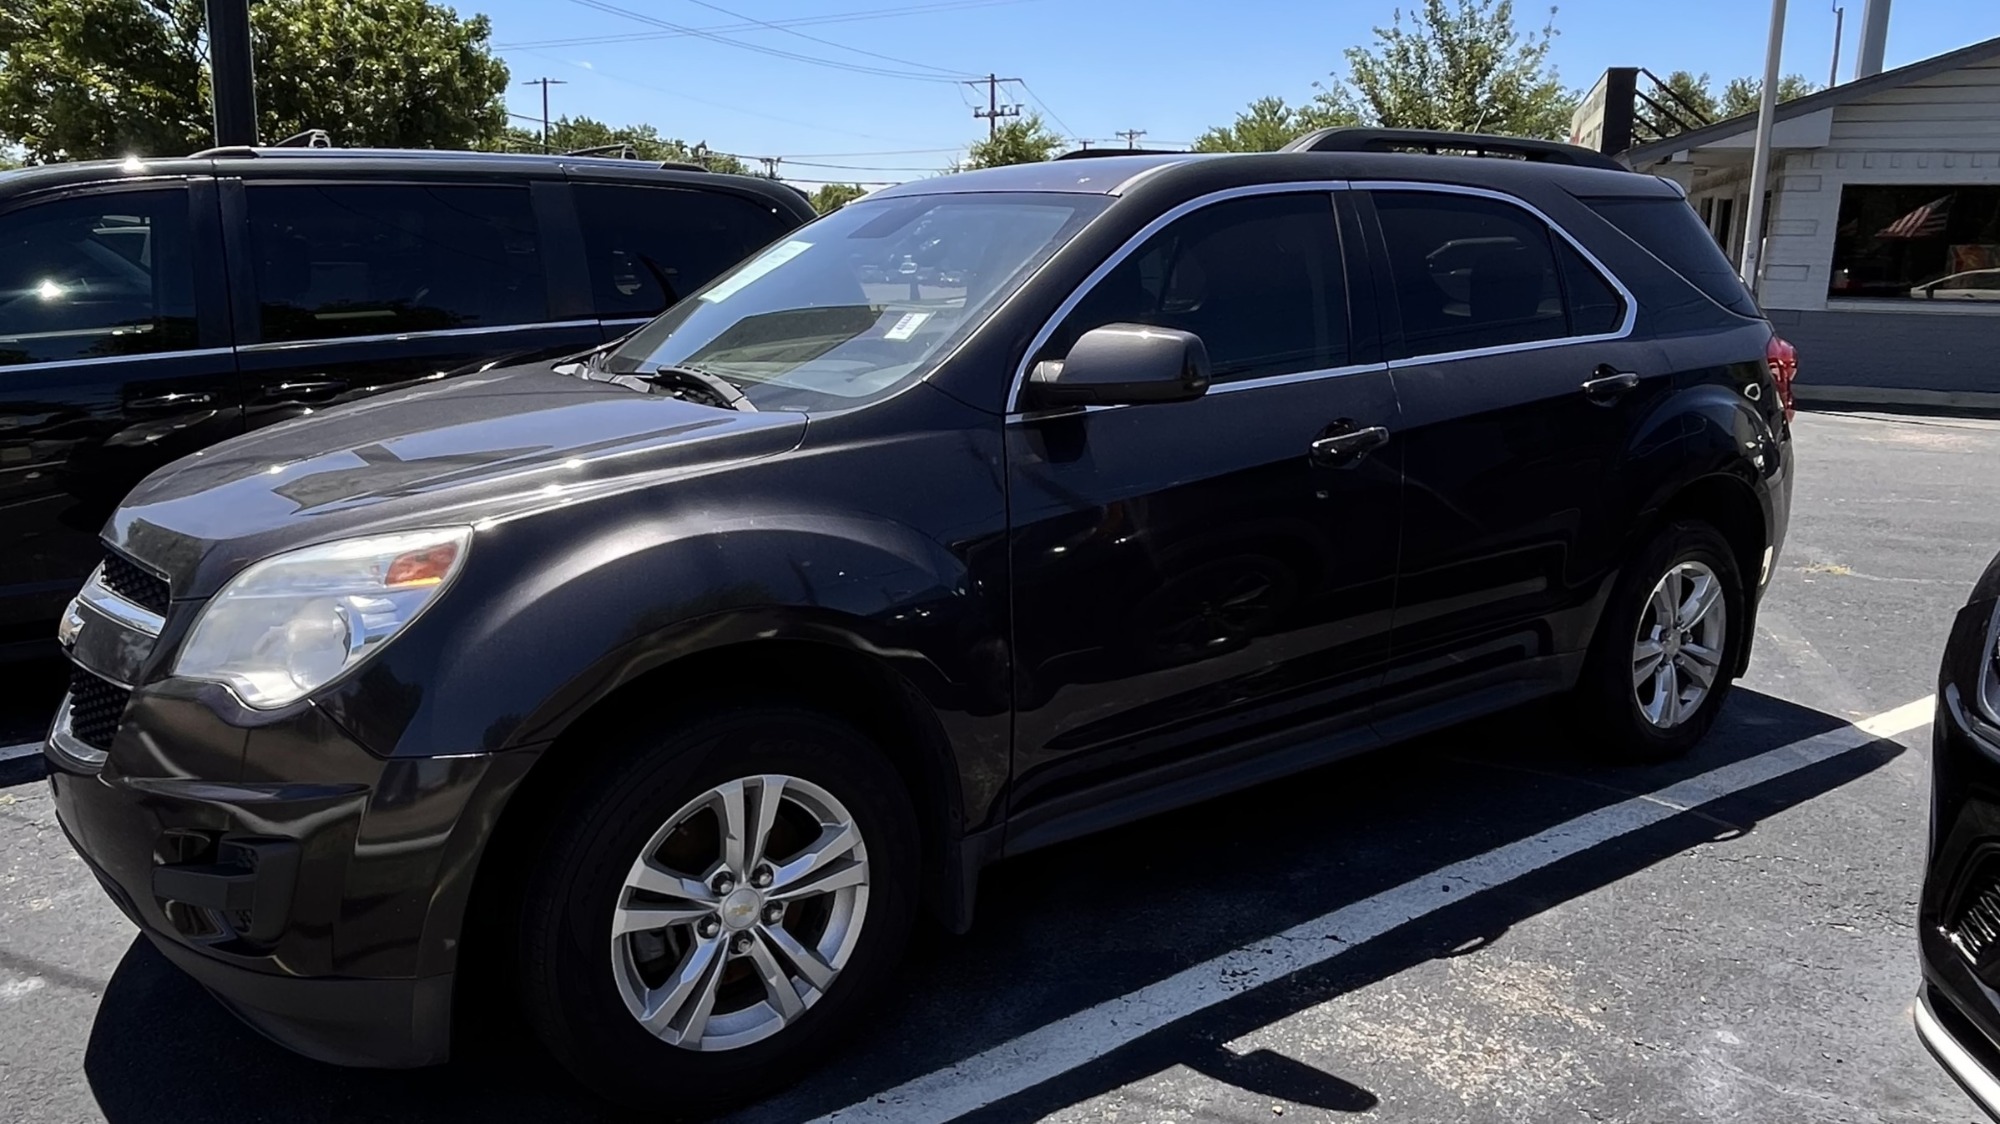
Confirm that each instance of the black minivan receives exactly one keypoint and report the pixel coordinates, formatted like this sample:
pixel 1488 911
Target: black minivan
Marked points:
pixel 660 692
pixel 149 308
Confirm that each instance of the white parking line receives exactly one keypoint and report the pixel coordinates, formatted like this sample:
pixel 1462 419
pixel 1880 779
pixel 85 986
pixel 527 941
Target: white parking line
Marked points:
pixel 1050 1051
pixel 15 752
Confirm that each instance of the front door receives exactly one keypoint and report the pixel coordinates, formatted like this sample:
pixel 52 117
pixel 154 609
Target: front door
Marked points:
pixel 114 360
pixel 1193 586
pixel 351 289
pixel 1521 391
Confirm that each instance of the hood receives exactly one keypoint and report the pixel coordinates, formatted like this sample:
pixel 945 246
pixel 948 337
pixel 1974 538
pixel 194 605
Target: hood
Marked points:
pixel 494 445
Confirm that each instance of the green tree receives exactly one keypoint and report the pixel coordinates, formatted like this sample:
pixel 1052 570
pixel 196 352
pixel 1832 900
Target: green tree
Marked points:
pixel 90 78
pixel 1460 66
pixel 1022 140
pixel 1743 95
pixel 1269 124
pixel 833 196
pixel 569 134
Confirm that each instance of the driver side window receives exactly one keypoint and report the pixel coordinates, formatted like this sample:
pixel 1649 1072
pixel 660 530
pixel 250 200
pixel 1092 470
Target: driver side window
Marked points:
pixel 1259 279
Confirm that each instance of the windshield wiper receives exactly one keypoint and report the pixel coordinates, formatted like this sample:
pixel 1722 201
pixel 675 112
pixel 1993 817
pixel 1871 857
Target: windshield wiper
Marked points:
pixel 697 384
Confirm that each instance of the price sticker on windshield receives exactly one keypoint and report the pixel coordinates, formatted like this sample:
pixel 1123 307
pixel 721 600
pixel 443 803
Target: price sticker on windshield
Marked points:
pixel 758 266
pixel 906 326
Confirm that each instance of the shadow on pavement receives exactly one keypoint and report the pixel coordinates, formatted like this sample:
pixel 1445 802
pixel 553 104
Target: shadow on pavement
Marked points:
pixel 1066 928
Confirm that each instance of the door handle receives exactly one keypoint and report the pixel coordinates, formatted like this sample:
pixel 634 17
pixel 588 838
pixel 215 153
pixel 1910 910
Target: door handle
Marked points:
pixel 305 389
pixel 1341 450
pixel 1609 386
pixel 172 401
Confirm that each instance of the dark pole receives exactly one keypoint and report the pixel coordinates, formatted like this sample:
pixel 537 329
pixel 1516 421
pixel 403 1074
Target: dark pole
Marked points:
pixel 230 73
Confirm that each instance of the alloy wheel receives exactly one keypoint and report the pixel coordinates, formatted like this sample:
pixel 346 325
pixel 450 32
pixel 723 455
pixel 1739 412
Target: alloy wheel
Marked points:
pixel 739 913
pixel 1678 651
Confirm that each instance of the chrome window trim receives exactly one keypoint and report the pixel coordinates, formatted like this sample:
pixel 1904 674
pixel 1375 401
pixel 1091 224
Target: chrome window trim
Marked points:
pixel 391 337
pixel 1297 187
pixel 630 321
pixel 1631 303
pixel 103 360
pixel 1219 388
pixel 138 618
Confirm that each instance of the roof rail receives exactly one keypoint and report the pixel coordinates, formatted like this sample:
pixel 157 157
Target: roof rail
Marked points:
pixel 1094 153
pixel 1438 142
pixel 311 138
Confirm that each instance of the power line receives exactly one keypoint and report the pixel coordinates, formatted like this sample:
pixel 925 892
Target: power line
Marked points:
pixel 794 56
pixel 825 42
pixel 1060 123
pixel 797 21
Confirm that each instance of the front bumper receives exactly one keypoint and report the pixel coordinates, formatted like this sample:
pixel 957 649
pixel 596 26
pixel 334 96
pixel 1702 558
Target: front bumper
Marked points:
pixel 316 889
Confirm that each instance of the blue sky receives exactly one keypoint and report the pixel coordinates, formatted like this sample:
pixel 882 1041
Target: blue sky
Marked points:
pixel 1170 67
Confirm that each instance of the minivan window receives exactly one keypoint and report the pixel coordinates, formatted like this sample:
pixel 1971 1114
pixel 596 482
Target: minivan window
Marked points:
pixel 337 260
pixel 106 273
pixel 1469 272
pixel 863 301
pixel 651 246
pixel 1670 230
pixel 1259 279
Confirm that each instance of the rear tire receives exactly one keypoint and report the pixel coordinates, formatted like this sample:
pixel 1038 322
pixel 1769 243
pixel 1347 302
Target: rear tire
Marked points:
pixel 716 907
pixel 1666 648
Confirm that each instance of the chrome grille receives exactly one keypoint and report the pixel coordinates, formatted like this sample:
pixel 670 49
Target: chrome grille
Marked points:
pixel 95 707
pixel 141 587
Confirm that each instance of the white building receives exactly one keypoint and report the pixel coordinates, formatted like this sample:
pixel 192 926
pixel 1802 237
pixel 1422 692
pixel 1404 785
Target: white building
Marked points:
pixel 1882 243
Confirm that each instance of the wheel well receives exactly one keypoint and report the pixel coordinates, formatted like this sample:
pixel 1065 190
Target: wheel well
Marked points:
pixel 1727 504
pixel 849 685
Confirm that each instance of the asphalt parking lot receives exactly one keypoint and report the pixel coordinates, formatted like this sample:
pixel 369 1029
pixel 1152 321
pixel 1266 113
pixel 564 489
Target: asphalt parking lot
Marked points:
pixel 1486 925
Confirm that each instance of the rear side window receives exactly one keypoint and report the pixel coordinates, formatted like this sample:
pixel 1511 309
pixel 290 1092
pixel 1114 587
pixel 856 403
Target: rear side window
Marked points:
pixel 1470 272
pixel 1671 231
pixel 651 246
pixel 96 275
pixel 337 260
pixel 1258 279
pixel 1595 308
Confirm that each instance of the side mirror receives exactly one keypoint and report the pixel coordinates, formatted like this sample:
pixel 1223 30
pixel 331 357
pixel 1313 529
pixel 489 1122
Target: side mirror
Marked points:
pixel 1122 365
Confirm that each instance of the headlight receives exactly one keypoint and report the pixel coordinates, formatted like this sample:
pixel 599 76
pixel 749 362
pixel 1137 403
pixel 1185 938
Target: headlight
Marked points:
pixel 293 623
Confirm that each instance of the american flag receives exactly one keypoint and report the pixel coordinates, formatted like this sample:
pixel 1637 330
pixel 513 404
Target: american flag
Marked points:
pixel 1927 221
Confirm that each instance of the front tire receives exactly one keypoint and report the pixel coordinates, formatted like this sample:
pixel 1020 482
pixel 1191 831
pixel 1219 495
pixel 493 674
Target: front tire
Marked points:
pixel 1664 656
pixel 716 908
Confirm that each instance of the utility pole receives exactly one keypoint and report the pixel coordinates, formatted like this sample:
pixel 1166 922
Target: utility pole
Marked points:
pixel 1839 23
pixel 1760 156
pixel 545 83
pixel 230 72
pixel 1131 137
pixel 994 111
pixel 771 165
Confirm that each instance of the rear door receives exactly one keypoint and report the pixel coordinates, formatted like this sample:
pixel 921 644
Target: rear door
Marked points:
pixel 350 288
pixel 647 247
pixel 114 360
pixel 1521 388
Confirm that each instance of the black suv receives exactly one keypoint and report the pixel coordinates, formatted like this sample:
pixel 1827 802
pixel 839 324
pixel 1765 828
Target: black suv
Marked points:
pixel 151 307
pixel 664 689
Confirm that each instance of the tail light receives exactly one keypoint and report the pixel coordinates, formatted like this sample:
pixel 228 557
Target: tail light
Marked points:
pixel 1783 360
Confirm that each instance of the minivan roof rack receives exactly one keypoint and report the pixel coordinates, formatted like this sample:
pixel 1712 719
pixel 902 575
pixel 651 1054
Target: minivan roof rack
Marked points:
pixel 310 138
pixel 1437 141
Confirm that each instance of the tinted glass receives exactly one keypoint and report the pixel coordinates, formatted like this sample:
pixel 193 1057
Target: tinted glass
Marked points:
pixel 1258 279
pixel 1469 272
pixel 651 246
pixel 1671 231
pixel 365 259
pixel 1917 243
pixel 862 301
pixel 94 275
pixel 1594 306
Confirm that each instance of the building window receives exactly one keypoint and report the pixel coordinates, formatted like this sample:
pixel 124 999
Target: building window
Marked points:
pixel 1918 243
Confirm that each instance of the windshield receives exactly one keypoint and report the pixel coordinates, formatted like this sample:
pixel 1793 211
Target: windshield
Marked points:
pixel 861 302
